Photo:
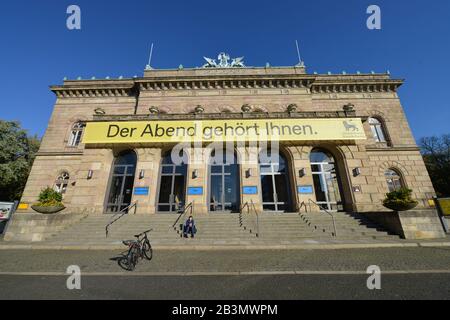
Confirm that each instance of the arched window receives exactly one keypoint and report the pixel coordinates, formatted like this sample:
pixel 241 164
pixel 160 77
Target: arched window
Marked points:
pixel 393 180
pixel 122 182
pixel 62 182
pixel 173 177
pixel 377 130
pixel 224 182
pixel 76 134
pixel 327 183
pixel 275 186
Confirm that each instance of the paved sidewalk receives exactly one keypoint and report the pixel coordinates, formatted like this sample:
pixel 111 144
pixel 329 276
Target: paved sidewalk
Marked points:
pixel 407 273
pixel 247 245
pixel 230 261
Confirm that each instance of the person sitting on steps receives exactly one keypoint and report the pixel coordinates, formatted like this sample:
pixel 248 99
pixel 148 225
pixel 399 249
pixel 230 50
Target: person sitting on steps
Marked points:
pixel 189 227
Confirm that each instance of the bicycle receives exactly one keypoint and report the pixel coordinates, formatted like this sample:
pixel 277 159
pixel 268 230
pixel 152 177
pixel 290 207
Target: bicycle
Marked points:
pixel 138 249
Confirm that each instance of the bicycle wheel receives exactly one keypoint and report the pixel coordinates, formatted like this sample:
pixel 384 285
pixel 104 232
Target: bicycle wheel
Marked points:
pixel 124 263
pixel 133 256
pixel 148 251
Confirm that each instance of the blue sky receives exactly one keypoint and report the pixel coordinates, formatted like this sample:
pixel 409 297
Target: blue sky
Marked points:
pixel 37 49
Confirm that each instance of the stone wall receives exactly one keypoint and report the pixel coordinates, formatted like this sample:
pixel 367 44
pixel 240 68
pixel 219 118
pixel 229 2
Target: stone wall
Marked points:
pixel 363 193
pixel 413 224
pixel 33 227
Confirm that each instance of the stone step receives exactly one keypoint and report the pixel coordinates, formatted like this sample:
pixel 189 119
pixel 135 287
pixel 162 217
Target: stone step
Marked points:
pixel 225 228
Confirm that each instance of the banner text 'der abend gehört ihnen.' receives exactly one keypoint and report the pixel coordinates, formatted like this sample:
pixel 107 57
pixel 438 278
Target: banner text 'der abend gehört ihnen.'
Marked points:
pixel 224 130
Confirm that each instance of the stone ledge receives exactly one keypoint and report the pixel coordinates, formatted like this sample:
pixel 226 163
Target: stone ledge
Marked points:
pixel 413 224
pixel 34 227
pixel 209 247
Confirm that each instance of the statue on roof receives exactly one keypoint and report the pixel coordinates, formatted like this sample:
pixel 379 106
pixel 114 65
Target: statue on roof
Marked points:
pixel 238 63
pixel 223 62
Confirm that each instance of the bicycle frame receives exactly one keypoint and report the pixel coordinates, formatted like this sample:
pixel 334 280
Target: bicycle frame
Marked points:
pixel 138 244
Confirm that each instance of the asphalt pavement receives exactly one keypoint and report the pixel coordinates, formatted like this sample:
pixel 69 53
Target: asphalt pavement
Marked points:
pixel 406 273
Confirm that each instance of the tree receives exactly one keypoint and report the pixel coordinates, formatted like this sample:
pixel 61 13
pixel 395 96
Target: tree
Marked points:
pixel 436 154
pixel 17 153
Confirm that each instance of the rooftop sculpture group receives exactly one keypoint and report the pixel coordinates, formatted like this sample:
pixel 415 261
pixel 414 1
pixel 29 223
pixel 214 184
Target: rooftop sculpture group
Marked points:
pixel 223 62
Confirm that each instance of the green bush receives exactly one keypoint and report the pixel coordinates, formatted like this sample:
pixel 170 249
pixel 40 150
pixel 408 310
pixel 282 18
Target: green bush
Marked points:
pixel 400 200
pixel 49 198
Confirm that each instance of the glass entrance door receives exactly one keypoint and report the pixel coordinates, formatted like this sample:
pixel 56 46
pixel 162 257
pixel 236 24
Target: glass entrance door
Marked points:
pixel 172 193
pixel 224 185
pixel 122 182
pixel 326 181
pixel 275 185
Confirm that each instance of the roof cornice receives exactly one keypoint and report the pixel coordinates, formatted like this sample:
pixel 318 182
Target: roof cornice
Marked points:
pixel 352 83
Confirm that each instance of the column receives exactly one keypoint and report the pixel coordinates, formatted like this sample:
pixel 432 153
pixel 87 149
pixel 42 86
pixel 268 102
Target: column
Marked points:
pixel 197 177
pixel 147 178
pixel 250 181
pixel 302 177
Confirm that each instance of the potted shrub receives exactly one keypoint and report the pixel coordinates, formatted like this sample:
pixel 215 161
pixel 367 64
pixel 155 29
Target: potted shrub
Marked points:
pixel 49 202
pixel 400 200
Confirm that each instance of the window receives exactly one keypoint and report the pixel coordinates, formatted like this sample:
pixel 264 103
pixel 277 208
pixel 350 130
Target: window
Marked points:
pixel 122 182
pixel 173 175
pixel 377 130
pixel 275 185
pixel 327 185
pixel 62 182
pixel 393 180
pixel 76 133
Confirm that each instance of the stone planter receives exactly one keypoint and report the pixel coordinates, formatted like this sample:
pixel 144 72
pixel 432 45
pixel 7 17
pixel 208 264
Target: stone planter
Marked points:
pixel 400 206
pixel 48 210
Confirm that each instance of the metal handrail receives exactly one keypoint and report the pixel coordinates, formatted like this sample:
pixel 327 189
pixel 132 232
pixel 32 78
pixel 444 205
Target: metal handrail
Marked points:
pixel 250 206
pixel 119 215
pixel 257 218
pixel 329 213
pixel 240 214
pixel 189 206
pixel 303 204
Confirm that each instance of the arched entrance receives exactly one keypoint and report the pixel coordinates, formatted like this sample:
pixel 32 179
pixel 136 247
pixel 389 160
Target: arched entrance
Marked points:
pixel 223 172
pixel 122 182
pixel 172 189
pixel 327 183
pixel 275 186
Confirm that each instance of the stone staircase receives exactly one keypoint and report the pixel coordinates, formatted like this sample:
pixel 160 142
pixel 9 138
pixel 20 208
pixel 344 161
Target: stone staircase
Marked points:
pixel 224 229
pixel 349 226
pixel 213 229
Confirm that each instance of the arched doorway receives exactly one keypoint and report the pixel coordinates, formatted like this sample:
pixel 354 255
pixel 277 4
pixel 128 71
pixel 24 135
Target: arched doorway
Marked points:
pixel 172 188
pixel 275 186
pixel 122 182
pixel 327 183
pixel 223 172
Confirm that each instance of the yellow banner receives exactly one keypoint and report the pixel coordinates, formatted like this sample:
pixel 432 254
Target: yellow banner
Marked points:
pixel 224 130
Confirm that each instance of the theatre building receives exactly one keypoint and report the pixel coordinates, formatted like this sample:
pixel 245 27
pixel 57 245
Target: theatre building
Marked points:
pixel 344 142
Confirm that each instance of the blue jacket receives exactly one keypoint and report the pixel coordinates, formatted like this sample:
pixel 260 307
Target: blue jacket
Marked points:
pixel 186 225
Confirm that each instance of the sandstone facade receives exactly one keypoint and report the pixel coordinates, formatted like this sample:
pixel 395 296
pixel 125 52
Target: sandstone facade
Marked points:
pixel 222 93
